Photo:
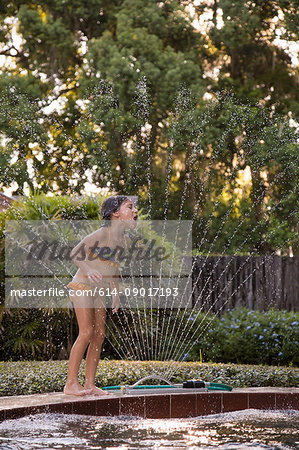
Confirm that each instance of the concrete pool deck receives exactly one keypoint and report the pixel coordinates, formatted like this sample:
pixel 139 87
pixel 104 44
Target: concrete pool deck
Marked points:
pixel 154 406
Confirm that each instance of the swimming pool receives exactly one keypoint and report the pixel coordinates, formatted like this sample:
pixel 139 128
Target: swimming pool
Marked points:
pixel 252 429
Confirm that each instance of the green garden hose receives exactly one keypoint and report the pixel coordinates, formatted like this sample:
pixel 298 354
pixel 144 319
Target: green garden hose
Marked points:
pixel 209 386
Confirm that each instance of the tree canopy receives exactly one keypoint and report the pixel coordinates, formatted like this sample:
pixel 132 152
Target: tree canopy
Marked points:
pixel 198 120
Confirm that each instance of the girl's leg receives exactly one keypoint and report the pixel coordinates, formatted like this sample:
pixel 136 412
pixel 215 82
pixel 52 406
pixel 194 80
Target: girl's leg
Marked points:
pixel 94 351
pixel 86 330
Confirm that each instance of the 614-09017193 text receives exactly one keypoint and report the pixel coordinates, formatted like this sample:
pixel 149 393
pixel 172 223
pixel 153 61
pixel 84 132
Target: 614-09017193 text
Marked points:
pixel 141 291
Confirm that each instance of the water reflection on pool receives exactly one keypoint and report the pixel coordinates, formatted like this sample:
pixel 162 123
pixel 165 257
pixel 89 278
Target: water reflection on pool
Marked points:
pixel 250 429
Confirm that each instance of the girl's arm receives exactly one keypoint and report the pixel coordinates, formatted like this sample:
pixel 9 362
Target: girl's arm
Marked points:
pixel 79 254
pixel 114 283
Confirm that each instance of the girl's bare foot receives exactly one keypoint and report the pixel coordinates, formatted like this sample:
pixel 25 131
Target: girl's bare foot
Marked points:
pixel 76 389
pixel 96 391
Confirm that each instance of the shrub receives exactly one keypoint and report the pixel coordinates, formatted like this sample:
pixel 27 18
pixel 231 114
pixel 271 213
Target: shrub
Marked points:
pixel 251 337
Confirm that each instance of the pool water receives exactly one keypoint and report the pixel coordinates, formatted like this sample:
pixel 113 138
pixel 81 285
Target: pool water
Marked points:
pixel 249 429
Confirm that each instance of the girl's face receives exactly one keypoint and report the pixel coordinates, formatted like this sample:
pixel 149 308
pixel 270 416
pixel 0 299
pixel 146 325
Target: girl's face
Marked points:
pixel 127 213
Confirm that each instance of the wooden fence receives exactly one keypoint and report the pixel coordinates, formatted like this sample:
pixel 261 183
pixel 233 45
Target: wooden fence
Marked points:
pixel 258 283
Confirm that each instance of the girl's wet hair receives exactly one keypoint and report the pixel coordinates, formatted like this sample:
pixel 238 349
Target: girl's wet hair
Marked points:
pixel 111 205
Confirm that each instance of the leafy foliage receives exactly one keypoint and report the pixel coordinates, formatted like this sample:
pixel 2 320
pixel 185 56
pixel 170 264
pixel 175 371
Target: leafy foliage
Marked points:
pixel 251 337
pixel 116 94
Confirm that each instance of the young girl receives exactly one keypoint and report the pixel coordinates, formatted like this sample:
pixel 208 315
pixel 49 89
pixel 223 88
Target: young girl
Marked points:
pixel 95 273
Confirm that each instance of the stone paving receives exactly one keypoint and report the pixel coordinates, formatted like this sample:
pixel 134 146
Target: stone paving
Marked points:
pixel 152 405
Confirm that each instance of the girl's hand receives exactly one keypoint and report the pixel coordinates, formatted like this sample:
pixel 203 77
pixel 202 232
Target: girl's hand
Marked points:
pixel 94 275
pixel 115 304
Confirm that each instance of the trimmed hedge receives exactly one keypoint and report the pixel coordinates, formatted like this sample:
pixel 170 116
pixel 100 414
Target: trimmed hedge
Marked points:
pixel 31 377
